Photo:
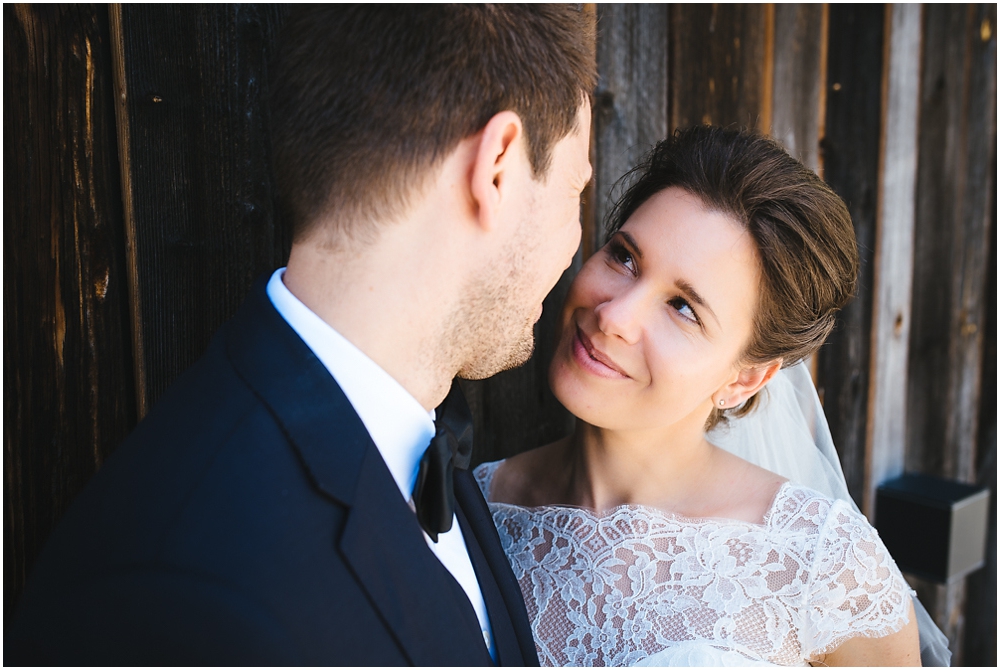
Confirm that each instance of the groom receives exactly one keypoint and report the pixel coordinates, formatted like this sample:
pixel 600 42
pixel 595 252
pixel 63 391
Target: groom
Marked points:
pixel 280 505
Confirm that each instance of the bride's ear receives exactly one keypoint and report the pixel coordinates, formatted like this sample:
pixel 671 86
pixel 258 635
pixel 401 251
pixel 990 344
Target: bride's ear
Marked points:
pixel 748 381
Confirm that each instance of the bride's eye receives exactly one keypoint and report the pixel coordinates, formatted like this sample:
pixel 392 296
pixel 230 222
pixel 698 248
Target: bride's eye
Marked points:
pixel 684 309
pixel 621 256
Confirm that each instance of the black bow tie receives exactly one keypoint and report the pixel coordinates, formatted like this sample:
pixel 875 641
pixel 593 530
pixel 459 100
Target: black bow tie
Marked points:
pixel 451 447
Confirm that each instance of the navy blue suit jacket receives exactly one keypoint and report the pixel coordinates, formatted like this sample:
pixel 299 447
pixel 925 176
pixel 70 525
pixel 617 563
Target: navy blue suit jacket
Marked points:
pixel 250 519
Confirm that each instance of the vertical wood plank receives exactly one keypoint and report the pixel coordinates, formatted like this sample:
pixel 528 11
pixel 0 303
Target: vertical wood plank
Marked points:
pixel 980 644
pixel 952 234
pixel 765 119
pixel 958 131
pixel 955 218
pixel 128 206
pixel 203 212
pixel 850 159
pixel 718 65
pixel 631 101
pixel 799 79
pixel 886 440
pixel 68 395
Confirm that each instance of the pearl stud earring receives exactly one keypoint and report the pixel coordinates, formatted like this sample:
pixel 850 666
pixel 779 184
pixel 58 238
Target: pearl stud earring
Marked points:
pixel 722 403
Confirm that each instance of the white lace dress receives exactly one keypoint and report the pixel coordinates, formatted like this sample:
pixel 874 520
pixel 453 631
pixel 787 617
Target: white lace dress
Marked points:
pixel 637 586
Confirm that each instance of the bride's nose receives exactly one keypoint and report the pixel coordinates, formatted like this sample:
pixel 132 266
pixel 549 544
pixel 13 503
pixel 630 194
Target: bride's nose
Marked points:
pixel 620 315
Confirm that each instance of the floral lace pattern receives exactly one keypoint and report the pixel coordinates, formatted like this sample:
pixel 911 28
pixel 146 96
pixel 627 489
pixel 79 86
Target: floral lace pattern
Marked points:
pixel 633 584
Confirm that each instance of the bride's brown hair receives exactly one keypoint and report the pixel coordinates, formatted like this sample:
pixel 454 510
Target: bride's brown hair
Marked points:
pixel 801 229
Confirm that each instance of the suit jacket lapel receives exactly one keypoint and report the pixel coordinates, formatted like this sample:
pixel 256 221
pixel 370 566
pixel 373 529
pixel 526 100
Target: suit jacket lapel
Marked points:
pixel 418 599
pixel 301 394
pixel 508 616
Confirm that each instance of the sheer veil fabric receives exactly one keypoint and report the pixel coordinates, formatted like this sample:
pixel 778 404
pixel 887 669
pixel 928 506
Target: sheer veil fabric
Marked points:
pixel 788 434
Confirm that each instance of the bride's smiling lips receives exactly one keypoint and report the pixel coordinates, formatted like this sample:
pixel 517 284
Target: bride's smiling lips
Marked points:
pixel 593 360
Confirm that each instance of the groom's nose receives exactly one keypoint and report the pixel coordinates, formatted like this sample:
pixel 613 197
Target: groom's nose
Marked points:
pixel 620 316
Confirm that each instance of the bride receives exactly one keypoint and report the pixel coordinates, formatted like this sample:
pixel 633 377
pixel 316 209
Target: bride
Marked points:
pixel 638 539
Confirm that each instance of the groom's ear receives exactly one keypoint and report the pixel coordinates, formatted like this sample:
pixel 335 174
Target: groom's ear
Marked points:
pixel 499 156
pixel 748 381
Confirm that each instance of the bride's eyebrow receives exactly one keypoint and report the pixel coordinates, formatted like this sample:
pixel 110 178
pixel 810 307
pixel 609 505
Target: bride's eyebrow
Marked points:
pixel 685 287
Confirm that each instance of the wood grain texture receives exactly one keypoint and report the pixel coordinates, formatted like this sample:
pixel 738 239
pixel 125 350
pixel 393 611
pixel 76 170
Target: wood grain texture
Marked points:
pixel 980 643
pixel 203 219
pixel 799 79
pixel 718 65
pixel 850 155
pixel 630 107
pixel 958 137
pixel 956 214
pixel 68 395
pixel 886 440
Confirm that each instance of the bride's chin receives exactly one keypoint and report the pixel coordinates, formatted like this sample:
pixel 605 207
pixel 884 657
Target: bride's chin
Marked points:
pixel 580 399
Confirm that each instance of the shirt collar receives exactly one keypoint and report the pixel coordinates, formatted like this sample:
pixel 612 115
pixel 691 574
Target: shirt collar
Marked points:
pixel 400 427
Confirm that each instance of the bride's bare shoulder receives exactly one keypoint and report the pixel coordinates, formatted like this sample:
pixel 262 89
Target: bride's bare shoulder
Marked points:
pixel 743 490
pixel 531 478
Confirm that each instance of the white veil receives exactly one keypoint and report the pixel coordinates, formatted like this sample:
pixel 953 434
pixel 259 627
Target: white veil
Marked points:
pixel 788 434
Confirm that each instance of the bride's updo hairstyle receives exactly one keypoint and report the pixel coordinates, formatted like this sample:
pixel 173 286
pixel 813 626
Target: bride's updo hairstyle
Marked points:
pixel 801 229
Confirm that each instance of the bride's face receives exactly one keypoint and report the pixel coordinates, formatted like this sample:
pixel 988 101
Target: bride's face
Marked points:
pixel 655 322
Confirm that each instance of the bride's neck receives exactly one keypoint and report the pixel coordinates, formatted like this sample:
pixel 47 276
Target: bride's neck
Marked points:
pixel 661 469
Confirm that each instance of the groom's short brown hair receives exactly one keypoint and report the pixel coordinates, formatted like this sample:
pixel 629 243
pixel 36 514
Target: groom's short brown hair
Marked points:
pixel 365 99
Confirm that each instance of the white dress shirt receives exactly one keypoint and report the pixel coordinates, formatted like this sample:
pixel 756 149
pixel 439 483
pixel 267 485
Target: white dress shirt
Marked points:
pixel 399 426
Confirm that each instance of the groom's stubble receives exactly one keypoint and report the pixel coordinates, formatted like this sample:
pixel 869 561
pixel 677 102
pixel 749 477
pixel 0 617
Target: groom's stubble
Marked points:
pixel 493 328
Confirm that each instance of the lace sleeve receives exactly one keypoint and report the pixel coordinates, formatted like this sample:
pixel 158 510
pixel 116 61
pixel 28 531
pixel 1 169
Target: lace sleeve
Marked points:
pixel 855 588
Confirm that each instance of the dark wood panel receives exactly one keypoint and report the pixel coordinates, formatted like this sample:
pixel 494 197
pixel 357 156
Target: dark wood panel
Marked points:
pixel 956 203
pixel 68 394
pixel 202 217
pixel 799 79
pixel 630 107
pixel 980 644
pixel 958 106
pixel 850 155
pixel 719 66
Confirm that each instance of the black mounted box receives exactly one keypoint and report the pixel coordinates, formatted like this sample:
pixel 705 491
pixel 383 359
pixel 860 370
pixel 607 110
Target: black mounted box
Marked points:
pixel 934 528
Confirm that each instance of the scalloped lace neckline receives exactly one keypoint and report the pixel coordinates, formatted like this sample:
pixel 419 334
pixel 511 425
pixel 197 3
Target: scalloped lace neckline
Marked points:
pixel 636 585
pixel 486 485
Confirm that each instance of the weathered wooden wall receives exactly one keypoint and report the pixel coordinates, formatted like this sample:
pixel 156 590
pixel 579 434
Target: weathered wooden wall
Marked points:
pixel 200 214
pixel 68 392
pixel 139 207
pixel 850 154
pixel 955 244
